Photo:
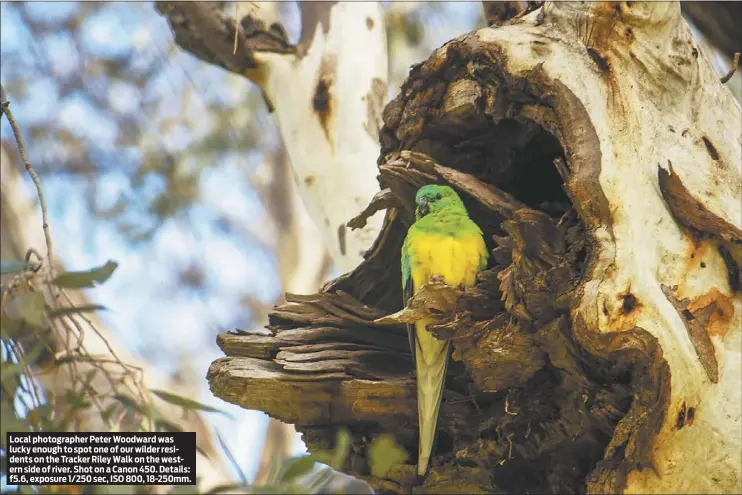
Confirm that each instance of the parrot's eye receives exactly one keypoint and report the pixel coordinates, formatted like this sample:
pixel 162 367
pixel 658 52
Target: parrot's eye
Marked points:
pixel 438 196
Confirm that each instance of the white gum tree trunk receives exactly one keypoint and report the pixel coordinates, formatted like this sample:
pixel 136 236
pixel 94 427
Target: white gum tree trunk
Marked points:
pixel 664 151
pixel 328 103
pixel 653 168
pixel 327 93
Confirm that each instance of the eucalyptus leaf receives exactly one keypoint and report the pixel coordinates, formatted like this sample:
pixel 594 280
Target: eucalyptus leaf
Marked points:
pixel 87 278
pixel 11 422
pixel 109 411
pixel 201 451
pixel 318 481
pixel 131 404
pixel 295 467
pixel 87 308
pixel 185 402
pixel 29 307
pixel 163 424
pixel 41 413
pixel 11 368
pixel 342 447
pixel 9 328
pixel 231 458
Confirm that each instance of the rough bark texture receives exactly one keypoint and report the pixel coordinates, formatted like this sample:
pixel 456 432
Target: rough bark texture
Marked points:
pixel 600 350
pixel 499 13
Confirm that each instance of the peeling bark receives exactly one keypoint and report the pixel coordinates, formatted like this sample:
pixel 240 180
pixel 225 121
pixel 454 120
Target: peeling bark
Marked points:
pixel 572 367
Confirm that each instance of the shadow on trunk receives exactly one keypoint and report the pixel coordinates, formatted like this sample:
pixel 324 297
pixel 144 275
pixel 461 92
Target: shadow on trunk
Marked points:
pixel 534 402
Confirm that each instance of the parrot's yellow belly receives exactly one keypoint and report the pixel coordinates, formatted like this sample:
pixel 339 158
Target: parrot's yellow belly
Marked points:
pixel 457 261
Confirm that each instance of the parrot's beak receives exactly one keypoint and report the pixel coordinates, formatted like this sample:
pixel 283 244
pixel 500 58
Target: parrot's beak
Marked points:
pixel 422 208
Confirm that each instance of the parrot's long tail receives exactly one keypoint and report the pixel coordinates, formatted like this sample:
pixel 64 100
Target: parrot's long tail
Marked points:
pixel 431 359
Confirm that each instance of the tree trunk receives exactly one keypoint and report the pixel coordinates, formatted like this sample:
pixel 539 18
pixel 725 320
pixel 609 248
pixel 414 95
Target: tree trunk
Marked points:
pixel 326 96
pixel 303 264
pixel 600 350
pixel 328 103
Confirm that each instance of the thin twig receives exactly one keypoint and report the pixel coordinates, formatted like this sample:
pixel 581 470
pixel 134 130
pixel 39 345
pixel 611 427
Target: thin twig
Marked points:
pixel 35 178
pixel 19 356
pixel 735 64
pixel 236 26
pixel 510 448
pixel 562 169
pixel 70 329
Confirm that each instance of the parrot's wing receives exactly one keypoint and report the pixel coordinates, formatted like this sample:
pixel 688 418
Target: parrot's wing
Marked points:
pixel 407 292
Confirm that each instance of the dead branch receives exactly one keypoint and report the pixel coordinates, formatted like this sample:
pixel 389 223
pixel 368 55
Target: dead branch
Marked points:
pixel 205 31
pixel 499 13
pixel 732 69
pixel 34 177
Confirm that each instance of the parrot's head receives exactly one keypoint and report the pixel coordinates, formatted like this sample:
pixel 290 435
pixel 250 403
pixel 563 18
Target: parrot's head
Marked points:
pixel 433 198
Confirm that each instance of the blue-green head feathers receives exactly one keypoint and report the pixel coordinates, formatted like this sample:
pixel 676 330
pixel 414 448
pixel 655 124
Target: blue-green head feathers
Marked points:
pixel 433 198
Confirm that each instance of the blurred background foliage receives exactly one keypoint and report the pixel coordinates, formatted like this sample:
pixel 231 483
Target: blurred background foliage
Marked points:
pixel 170 166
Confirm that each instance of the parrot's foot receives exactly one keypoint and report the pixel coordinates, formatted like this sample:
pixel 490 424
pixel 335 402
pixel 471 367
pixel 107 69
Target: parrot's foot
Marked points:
pixel 437 280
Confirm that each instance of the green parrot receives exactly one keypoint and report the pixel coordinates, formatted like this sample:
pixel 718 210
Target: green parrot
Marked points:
pixel 443 243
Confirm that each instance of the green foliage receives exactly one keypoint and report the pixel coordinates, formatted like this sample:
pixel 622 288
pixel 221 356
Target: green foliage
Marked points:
pixel 296 467
pixel 185 403
pixel 160 181
pixel 33 343
pixel 87 308
pixel 384 454
pixel 87 278
pixel 317 473
pixel 336 458
pixel 29 307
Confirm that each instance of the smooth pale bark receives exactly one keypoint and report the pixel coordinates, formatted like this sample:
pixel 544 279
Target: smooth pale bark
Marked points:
pixel 20 229
pixel 328 105
pixel 327 93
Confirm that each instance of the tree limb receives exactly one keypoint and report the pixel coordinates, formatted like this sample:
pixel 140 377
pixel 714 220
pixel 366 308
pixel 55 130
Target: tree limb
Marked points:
pixel 205 31
pixel 719 22
pixel 499 13
pixel 327 103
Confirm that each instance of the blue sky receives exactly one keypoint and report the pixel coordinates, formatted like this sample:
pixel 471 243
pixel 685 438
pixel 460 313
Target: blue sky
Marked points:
pixel 152 320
